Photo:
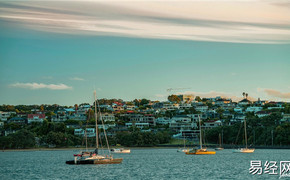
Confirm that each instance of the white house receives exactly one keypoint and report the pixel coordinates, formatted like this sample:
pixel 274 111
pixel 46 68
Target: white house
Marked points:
pixel 254 109
pixel 5 115
pixel 162 120
pixel 90 132
pixel 107 117
pixel 238 109
pixel 211 124
pixel 138 125
pixel 201 108
pixel 261 114
pixel 181 118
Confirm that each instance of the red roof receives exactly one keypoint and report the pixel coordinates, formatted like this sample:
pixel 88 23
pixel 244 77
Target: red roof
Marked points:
pixel 130 111
pixel 39 115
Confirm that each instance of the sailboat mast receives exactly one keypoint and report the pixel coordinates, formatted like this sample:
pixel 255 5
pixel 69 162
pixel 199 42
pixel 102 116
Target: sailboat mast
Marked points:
pixel 220 139
pixel 96 118
pixel 200 139
pixel 246 132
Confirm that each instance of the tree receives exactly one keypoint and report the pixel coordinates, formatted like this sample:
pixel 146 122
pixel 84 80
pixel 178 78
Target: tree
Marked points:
pixel 197 98
pixel 144 101
pixel 174 98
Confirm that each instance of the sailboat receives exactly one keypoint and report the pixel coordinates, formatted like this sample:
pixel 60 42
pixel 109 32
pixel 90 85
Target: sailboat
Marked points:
pixel 184 149
pixel 220 147
pixel 201 150
pixel 245 150
pixel 94 157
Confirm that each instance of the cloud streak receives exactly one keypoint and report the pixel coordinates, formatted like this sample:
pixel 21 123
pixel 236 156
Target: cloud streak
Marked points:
pixel 276 93
pixel 77 79
pixel 35 86
pixel 263 22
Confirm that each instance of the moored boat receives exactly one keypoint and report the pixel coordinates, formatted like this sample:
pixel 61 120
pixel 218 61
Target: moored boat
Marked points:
pixel 245 150
pixel 201 150
pixel 120 150
pixel 94 157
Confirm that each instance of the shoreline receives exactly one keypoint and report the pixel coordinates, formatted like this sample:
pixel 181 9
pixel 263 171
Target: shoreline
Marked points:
pixel 153 147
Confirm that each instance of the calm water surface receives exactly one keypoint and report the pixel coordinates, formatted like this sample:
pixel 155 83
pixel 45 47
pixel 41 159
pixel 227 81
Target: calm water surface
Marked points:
pixel 140 164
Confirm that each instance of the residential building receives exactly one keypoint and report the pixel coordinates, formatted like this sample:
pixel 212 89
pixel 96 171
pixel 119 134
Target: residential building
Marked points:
pixel 201 108
pixel 35 118
pixel 90 132
pixel 244 102
pixel 162 120
pixel 211 124
pixel 186 97
pixel 254 109
pixel 138 125
pixel 261 114
pixel 106 117
pixel 285 118
pixel 5 115
pixel 17 120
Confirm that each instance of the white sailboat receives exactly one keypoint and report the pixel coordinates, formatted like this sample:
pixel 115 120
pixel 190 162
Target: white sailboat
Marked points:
pixel 94 157
pixel 245 150
pixel 220 147
pixel 184 149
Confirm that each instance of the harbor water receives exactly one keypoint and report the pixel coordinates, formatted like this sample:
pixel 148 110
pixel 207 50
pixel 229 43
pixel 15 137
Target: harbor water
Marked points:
pixel 147 163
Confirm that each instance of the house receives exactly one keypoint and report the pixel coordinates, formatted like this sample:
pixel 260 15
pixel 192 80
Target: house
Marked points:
pixel 1 124
pixel 170 107
pixel 254 109
pixel 138 125
pixel 129 107
pixel 184 106
pixel 211 124
pixel 244 102
pixel 177 126
pixel 5 115
pixel 59 118
pixel 17 120
pixel 222 101
pixel 285 118
pixel 106 117
pixel 140 118
pixel 201 108
pixel 186 97
pixel 162 120
pixel 35 118
pixel 262 113
pixel 89 132
pixel 195 117
pixel 181 118
pixel 238 109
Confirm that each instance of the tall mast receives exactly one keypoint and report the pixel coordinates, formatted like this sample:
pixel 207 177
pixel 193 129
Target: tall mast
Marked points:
pixel 246 133
pixel 97 134
pixel 200 139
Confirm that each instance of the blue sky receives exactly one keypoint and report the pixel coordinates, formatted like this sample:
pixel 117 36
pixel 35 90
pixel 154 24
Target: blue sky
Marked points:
pixel 45 59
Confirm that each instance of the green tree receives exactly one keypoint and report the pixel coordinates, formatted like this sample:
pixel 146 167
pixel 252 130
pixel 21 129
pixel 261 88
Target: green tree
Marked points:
pixel 174 98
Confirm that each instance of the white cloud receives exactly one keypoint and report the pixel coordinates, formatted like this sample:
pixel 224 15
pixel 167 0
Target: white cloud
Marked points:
pixel 77 79
pixel 41 86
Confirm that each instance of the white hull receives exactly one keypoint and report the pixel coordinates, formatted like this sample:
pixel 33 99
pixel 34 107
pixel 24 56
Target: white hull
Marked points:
pixel 244 150
pixel 121 150
pixel 182 150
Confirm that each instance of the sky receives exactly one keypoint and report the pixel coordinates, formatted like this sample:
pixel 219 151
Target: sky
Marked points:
pixel 55 52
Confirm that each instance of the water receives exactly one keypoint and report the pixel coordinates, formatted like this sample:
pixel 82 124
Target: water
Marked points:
pixel 140 164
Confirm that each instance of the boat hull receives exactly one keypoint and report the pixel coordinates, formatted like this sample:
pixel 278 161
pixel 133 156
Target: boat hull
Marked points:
pixel 101 161
pixel 219 149
pixel 244 150
pixel 201 153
